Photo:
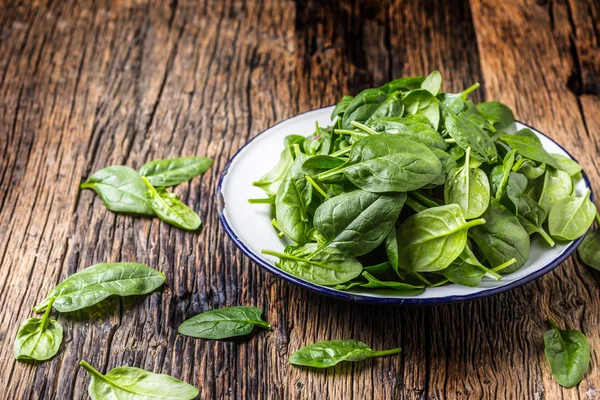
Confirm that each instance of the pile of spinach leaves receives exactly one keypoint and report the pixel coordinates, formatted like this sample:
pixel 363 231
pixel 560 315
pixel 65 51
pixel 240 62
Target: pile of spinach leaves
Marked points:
pixel 412 187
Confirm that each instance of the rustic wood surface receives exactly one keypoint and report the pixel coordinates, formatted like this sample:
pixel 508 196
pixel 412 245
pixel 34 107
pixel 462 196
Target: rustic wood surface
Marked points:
pixel 87 84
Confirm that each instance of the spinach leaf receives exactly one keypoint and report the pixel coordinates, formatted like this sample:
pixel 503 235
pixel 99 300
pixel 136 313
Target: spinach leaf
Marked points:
pixel 403 84
pixel 531 170
pixel 557 186
pixel 433 238
pixel 501 173
pixel 416 131
pixel 571 217
pixel 433 83
pixel 329 353
pixel 291 140
pixel 497 113
pixel 271 181
pixel 121 189
pixel 567 164
pixel 173 171
pixel 94 284
pixel 531 228
pixel 328 266
pixel 388 163
pixel 420 101
pixel 130 383
pixel 469 134
pixel 391 107
pixel 502 237
pixel 362 107
pixel 315 165
pixel 515 189
pixel 292 201
pixel 170 209
pixel 589 250
pixel 529 147
pixel 568 353
pixel 357 222
pixel 223 323
pixel 341 106
pixel 375 283
pixel 469 188
pixel 38 338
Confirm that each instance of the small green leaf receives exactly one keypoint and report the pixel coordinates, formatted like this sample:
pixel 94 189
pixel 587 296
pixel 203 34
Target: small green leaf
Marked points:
pixel 589 250
pixel 38 338
pixel 329 353
pixel 223 323
pixel 568 353
pixel 170 209
pixel 173 171
pixel 130 383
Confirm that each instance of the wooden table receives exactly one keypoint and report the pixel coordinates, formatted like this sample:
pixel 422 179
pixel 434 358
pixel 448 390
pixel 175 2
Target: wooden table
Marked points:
pixel 84 85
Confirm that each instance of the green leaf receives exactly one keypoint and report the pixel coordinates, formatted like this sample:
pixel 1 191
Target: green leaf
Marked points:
pixel 94 284
pixel 567 164
pixel 557 186
pixel 329 353
pixel 433 238
pixel 173 171
pixel 422 102
pixel 356 222
pixel 271 180
pixel 568 353
pixel 121 189
pixel 374 283
pixel 391 107
pixel 38 338
pixel 468 134
pixel 413 130
pixel 501 173
pixel 529 147
pixel 362 107
pixel 589 250
pixel 433 83
pixel 341 106
pixel 130 383
pixel 403 84
pixel 170 209
pixel 328 266
pixel 223 323
pixel 570 218
pixel 498 114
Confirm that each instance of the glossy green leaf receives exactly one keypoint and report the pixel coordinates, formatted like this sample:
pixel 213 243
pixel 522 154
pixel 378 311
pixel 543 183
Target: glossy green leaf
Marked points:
pixel 568 353
pixel 557 185
pixel 94 284
pixel 173 171
pixel 414 130
pixel 421 101
pixel 327 267
pixel 570 218
pixel 403 84
pixel 38 338
pixel 121 189
pixel 341 106
pixel 502 117
pixel 271 181
pixel 433 83
pixel 329 353
pixel 223 323
pixel 362 107
pixel 567 164
pixel 469 188
pixel 589 250
pixel 433 238
pixel 469 134
pixel 130 383
pixel 529 147
pixel 170 209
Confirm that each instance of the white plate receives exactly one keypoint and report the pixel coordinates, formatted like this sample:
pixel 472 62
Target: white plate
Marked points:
pixel 249 225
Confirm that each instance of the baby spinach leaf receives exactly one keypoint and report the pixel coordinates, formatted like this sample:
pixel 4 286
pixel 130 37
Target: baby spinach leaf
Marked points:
pixel 571 217
pixel 403 84
pixel 502 237
pixel 38 338
pixel 388 163
pixel 529 147
pixel 374 283
pixel 173 171
pixel 291 140
pixel 530 228
pixel 416 131
pixel 433 83
pixel 433 238
pixel 532 170
pixel 170 209
pixel 357 222
pixel 121 189
pixel 501 173
pixel 568 353
pixel 329 353
pixel 341 106
pixel 567 164
pixel 515 189
pixel 223 323
pixel 271 181
pixel 391 249
pixel 94 284
pixel 292 201
pixel 469 188
pixel 589 250
pixel 391 107
pixel 420 101
pixel 315 165
pixel 326 267
pixel 469 134
pixel 130 383
pixel 500 115
pixel 362 107
pixel 557 186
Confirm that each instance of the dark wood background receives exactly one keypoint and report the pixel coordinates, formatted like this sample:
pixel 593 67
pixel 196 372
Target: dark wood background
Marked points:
pixel 87 84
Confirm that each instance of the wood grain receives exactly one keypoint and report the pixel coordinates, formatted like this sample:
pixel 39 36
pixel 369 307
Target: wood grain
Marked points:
pixel 86 84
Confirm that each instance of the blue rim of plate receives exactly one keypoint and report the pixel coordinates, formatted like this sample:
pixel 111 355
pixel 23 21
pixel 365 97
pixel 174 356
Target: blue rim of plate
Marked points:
pixel 359 298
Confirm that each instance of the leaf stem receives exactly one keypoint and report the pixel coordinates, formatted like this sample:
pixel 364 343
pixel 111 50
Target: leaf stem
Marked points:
pixel 349 132
pixel 474 222
pixel 317 187
pixel 450 140
pixel 47 313
pixel 519 164
pixel 341 151
pixel 382 353
pixel 553 324
pixel 363 127
pixel 546 237
pixel 421 278
pixel 90 369
pixel 470 90
pixel 504 265
pixel 267 200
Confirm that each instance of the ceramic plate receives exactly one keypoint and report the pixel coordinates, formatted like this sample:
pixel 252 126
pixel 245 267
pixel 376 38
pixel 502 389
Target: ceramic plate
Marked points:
pixel 249 226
